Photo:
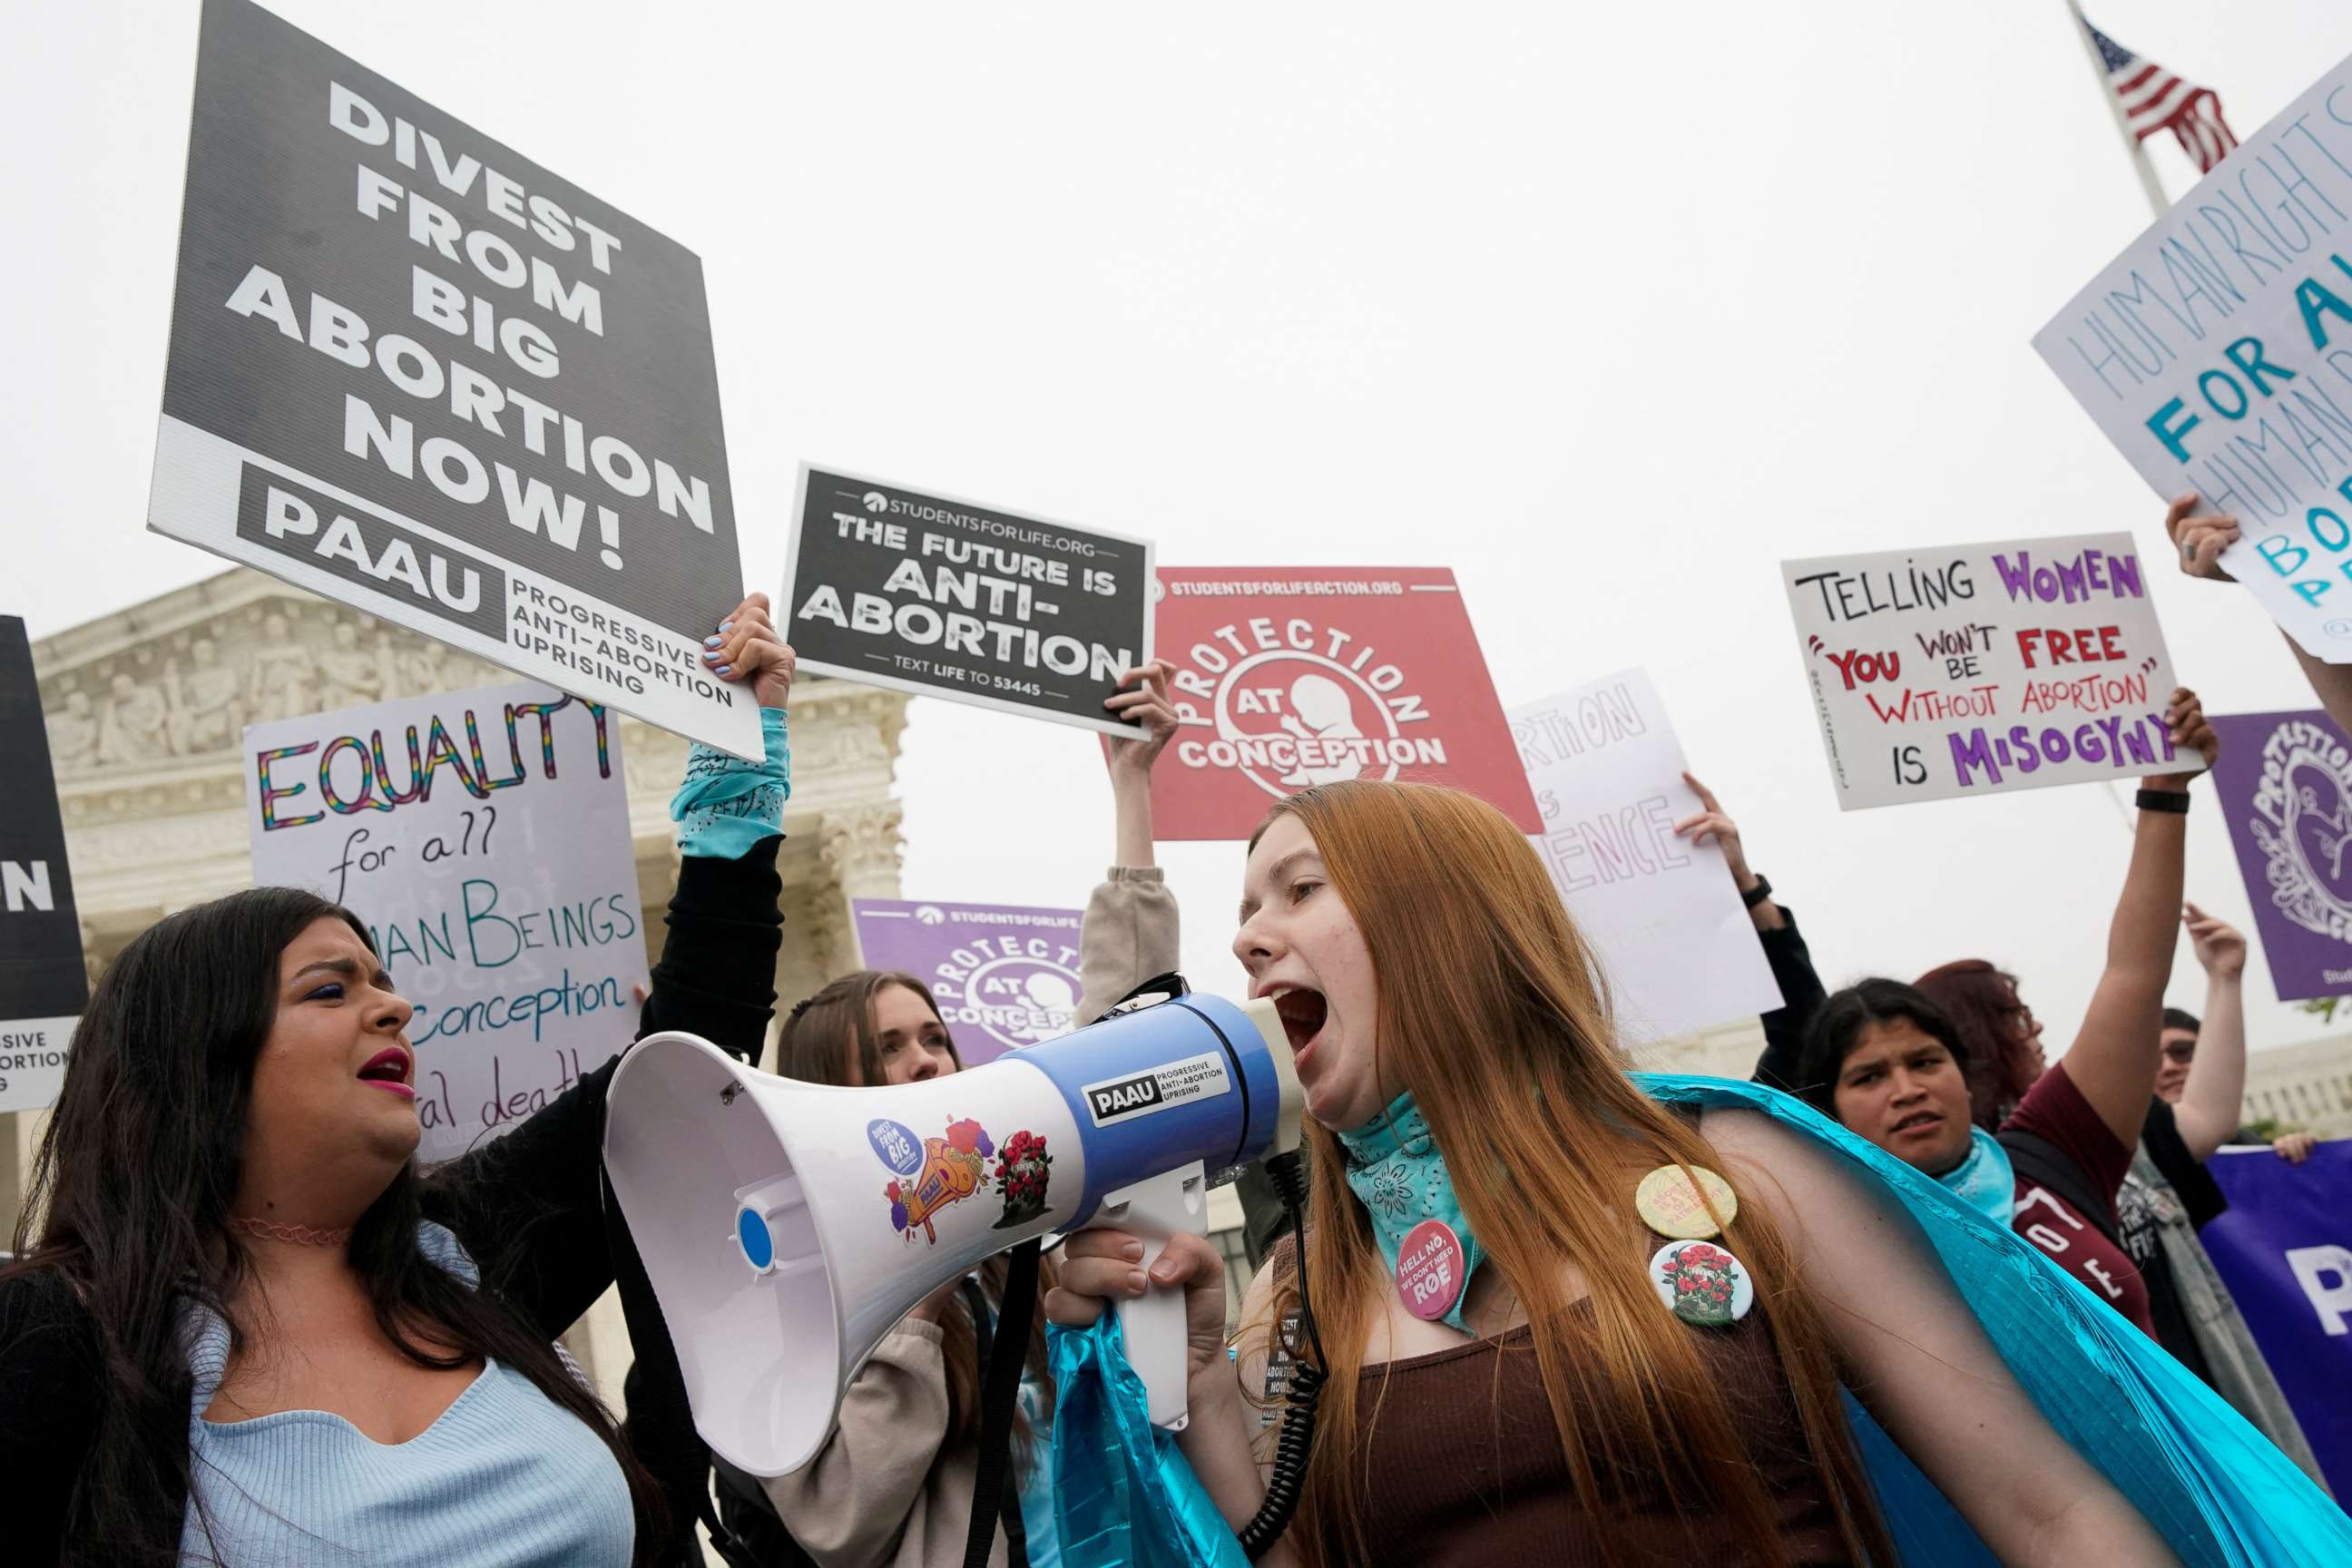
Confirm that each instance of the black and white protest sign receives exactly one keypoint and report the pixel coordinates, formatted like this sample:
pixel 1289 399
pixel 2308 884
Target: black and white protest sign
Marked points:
pixel 413 370
pixel 42 985
pixel 943 597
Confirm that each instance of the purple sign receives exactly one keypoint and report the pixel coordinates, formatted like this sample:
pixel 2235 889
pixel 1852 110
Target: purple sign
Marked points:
pixel 1004 976
pixel 2284 1248
pixel 2286 787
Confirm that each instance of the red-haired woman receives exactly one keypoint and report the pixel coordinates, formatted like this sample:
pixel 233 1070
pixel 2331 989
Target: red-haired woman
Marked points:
pixel 1584 1382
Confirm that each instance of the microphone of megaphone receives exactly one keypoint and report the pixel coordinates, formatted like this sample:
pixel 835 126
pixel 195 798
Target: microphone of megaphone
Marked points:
pixel 786 1227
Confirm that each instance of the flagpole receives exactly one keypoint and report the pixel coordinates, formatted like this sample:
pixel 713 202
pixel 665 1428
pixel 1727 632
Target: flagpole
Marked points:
pixel 2157 202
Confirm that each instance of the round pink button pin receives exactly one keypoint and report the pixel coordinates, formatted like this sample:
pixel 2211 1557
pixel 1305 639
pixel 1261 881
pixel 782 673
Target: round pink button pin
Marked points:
pixel 1429 1269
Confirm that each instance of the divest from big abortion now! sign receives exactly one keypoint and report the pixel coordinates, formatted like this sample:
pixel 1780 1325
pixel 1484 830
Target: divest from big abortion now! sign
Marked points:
pixel 1287 677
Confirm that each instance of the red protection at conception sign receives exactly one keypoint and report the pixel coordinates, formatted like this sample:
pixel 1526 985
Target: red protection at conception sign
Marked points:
pixel 1287 677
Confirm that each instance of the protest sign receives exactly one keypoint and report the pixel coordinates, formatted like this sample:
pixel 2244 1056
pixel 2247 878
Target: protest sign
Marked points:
pixel 2284 782
pixel 414 372
pixel 2284 1249
pixel 483 839
pixel 939 596
pixel 1972 669
pixel 42 983
pixel 1287 677
pixel 1673 941
pixel 2213 353
pixel 1004 976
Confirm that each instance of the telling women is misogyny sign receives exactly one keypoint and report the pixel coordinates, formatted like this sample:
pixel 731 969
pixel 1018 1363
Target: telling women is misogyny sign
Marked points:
pixel 1973 670
pixel 483 839
pixel 1287 677
pixel 414 372
pixel 1004 976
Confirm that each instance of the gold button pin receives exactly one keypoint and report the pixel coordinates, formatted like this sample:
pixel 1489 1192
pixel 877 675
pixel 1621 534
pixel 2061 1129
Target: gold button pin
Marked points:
pixel 1670 1205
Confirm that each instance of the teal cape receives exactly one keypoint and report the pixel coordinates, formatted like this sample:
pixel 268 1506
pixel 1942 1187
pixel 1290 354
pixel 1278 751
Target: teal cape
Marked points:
pixel 2215 1489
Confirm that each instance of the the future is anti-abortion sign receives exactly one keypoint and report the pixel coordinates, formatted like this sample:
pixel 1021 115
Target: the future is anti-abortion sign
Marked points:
pixel 2216 353
pixel 43 986
pixel 2284 784
pixel 1675 942
pixel 1971 669
pixel 1004 976
pixel 416 372
pixel 483 838
pixel 938 596
pixel 1287 677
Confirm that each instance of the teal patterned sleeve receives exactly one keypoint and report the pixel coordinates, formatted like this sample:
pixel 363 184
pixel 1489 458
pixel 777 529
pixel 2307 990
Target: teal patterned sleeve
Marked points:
pixel 726 805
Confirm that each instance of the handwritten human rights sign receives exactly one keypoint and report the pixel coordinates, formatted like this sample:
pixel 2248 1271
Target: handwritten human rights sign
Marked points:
pixel 2284 782
pixel 1287 677
pixel 1972 669
pixel 1004 976
pixel 1675 942
pixel 2216 353
pixel 943 597
pixel 413 370
pixel 483 838
pixel 43 986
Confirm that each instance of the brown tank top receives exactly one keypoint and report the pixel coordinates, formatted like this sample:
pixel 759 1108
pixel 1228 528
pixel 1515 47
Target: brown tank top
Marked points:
pixel 1463 1464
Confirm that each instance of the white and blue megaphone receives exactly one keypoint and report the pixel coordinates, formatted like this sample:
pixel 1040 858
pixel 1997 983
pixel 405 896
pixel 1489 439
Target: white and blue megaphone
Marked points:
pixel 786 1227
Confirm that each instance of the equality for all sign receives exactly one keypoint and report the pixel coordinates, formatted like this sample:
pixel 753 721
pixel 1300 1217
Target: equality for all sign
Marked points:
pixel 1287 677
pixel 1972 669
pixel 2216 353
pixel 2285 1250
pixel 43 986
pixel 2284 782
pixel 1673 942
pixel 944 597
pixel 414 372
pixel 483 839
pixel 1004 976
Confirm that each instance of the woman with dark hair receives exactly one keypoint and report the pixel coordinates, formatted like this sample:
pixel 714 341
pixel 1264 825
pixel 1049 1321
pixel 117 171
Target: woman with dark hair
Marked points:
pixel 1983 1004
pixel 244 1328
pixel 893 1483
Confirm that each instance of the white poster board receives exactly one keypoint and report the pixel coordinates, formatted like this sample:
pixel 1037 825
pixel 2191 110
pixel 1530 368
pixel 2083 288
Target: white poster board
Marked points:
pixel 1972 670
pixel 483 839
pixel 1674 940
pixel 2216 353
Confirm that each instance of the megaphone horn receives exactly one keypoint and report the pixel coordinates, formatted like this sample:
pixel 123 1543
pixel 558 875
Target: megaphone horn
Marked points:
pixel 786 1227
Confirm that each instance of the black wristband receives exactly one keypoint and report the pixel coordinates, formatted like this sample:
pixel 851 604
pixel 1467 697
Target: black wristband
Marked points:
pixel 2171 800
pixel 1756 894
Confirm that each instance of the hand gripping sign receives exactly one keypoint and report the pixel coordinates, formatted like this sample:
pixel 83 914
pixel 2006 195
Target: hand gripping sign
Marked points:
pixel 1291 677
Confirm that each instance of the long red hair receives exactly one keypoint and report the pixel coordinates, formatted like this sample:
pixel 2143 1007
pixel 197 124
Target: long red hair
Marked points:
pixel 1491 1013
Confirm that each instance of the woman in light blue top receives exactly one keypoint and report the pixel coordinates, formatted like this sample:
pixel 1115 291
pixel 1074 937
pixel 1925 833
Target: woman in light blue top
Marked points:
pixel 246 1330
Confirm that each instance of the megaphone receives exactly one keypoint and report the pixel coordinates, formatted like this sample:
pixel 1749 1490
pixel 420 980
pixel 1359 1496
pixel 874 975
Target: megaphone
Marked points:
pixel 786 1227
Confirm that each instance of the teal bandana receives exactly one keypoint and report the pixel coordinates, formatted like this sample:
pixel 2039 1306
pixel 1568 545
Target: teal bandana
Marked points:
pixel 1396 1171
pixel 1984 1181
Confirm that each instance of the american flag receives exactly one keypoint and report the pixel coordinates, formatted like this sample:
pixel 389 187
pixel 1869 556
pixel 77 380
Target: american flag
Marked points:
pixel 2155 100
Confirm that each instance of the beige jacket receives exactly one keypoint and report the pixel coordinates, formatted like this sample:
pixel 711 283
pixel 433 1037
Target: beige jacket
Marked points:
pixel 886 1491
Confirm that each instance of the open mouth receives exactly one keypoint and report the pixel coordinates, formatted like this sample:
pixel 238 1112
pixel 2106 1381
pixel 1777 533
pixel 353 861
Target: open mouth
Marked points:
pixel 388 1069
pixel 1303 1014
pixel 1919 1122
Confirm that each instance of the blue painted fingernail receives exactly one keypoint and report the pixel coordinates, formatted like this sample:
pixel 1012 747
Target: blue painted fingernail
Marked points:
pixel 710 642
pixel 709 656
pixel 726 670
pixel 726 626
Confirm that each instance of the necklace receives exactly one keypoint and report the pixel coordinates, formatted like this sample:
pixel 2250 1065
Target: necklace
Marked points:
pixel 299 1235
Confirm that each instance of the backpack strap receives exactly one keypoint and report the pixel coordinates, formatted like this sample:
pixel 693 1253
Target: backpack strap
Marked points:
pixel 2039 1160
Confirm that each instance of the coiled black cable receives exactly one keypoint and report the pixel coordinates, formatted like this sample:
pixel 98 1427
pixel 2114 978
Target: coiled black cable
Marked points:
pixel 1285 1485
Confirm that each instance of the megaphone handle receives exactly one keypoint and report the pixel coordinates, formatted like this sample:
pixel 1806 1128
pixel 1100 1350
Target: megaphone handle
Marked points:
pixel 1152 1325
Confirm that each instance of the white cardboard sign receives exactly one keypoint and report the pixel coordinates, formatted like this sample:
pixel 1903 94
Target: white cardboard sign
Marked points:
pixel 1972 670
pixel 2216 353
pixel 483 839
pixel 1674 942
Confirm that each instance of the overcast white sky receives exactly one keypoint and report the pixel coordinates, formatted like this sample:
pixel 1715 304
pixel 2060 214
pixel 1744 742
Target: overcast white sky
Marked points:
pixel 1608 308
